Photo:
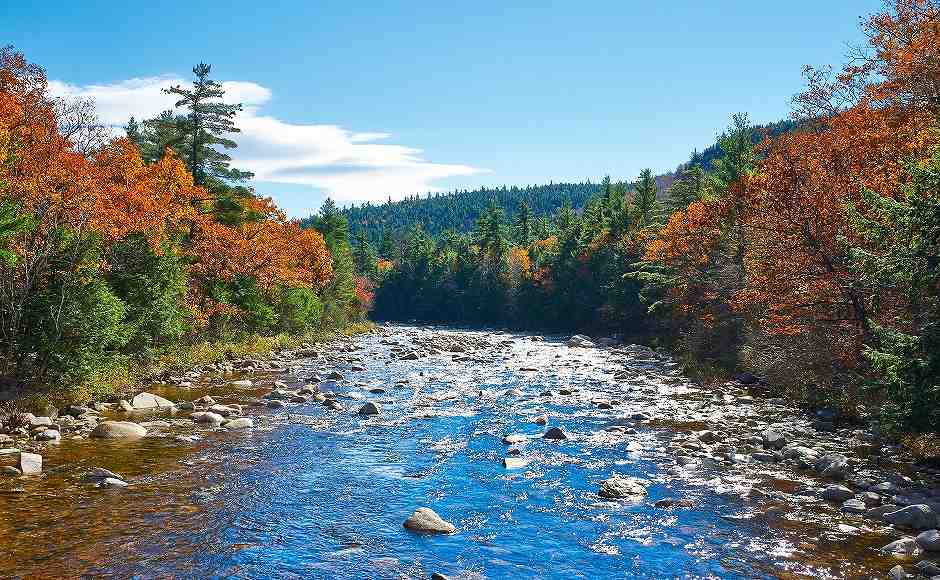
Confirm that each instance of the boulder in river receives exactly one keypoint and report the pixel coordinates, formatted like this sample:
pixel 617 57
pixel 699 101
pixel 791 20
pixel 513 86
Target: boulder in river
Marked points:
pixel 514 462
pixel 426 520
pixel 929 540
pixel 239 423
pixel 118 430
pixel 773 439
pixel 515 439
pixel 618 487
pixel 832 465
pixel 370 408
pixel 917 517
pixel 207 418
pixel 151 401
pixel 580 341
pixel 30 463
pixel 100 473
pixel 837 493
pixel 555 433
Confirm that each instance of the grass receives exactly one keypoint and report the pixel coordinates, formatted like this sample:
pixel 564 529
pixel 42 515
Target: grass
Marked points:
pixel 126 375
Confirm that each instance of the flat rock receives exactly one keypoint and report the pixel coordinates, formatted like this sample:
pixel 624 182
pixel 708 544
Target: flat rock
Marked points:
pixel 426 520
pixel 239 423
pixel 118 430
pixel 151 401
pixel 514 462
pixel 30 463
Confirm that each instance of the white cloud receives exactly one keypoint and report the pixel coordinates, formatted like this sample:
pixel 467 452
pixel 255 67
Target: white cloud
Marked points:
pixel 350 166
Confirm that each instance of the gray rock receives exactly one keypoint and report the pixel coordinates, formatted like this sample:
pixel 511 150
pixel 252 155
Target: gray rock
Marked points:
pixel 929 540
pixel 773 439
pixel 226 410
pixel 118 430
pixel 580 341
pixel 370 408
pixel 832 465
pixel 426 520
pixel 897 573
pixel 555 433
pixel 99 473
pixel 837 493
pixel 902 547
pixel 854 506
pixel 917 517
pixel 30 463
pixel 618 487
pixel 151 401
pixel 39 421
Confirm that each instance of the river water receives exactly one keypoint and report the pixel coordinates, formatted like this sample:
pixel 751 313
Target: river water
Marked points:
pixel 315 493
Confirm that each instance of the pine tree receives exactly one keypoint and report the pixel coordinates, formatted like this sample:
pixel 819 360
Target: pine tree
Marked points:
pixel 207 122
pixel 365 257
pixel 524 226
pixel 645 206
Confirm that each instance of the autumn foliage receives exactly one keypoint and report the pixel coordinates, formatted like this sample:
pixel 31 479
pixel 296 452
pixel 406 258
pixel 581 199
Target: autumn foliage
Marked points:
pixel 77 212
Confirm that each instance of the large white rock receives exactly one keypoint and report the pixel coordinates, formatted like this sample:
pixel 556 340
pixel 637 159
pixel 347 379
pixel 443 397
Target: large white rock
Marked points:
pixel 239 423
pixel 118 430
pixel 151 401
pixel 426 520
pixel 30 463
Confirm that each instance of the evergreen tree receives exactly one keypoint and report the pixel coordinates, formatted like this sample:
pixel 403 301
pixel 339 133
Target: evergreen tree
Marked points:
pixel 645 206
pixel 365 257
pixel 524 226
pixel 207 122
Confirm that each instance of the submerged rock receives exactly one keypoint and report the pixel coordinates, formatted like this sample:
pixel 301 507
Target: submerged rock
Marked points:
pixel 118 430
pixel 426 520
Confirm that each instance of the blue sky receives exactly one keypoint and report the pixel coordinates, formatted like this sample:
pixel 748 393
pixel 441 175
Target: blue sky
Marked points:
pixel 369 99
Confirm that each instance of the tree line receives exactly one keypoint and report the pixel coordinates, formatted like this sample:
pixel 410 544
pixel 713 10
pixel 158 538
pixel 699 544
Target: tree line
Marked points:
pixel 809 256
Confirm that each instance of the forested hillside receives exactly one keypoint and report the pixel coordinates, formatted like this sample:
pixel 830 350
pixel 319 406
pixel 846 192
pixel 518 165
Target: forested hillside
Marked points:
pixel 459 210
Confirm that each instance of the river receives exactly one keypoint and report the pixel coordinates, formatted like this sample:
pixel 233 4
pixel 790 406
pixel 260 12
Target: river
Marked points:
pixel 316 493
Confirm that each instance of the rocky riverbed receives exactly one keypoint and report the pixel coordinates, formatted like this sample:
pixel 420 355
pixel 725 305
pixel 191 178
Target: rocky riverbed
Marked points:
pixel 416 451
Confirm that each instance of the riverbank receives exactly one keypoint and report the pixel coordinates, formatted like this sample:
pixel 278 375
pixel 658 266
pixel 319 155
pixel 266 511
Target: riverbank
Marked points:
pixel 604 455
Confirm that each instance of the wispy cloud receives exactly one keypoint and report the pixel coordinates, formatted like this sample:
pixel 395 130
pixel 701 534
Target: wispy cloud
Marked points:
pixel 348 165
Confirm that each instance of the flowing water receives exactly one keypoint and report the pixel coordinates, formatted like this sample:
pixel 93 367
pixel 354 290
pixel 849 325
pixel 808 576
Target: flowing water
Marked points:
pixel 315 493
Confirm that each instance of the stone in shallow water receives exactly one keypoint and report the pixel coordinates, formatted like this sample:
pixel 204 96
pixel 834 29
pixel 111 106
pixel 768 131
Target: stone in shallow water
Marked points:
pixel 370 408
pixel 102 473
pixel 239 423
pixel 618 487
pixel 918 517
pixel 118 430
pixel 837 493
pixel 112 482
pixel 555 433
pixel 426 520
pixel 207 418
pixel 515 439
